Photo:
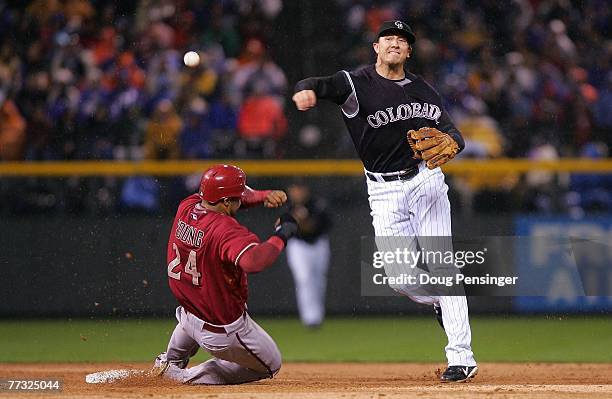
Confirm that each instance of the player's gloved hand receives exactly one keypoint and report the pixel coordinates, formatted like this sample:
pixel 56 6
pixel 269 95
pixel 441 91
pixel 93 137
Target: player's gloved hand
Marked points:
pixel 285 227
pixel 275 198
pixel 433 146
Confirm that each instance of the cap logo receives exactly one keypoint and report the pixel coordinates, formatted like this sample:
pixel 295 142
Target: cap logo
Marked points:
pixel 399 24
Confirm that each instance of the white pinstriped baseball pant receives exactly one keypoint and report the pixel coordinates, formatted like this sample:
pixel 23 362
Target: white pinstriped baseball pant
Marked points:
pixel 309 263
pixel 420 207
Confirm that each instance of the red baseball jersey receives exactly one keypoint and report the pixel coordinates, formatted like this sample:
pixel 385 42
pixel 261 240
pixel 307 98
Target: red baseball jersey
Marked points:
pixel 203 252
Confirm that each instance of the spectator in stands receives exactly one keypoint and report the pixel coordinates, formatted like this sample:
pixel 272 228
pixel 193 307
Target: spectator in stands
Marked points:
pixel 517 85
pixel 78 9
pixel 221 30
pixel 39 132
pixel 257 70
pixel 12 131
pixel 195 136
pixel 483 138
pixel 162 132
pixel 222 121
pixel 105 48
pixel 97 142
pixel 261 124
pixel 10 69
pixel 602 114
pixel 222 117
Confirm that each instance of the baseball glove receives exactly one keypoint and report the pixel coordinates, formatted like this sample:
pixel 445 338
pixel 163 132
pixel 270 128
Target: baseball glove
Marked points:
pixel 432 146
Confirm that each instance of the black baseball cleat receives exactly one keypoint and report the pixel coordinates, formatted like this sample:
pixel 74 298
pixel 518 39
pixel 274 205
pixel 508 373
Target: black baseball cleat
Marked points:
pixel 459 373
pixel 438 312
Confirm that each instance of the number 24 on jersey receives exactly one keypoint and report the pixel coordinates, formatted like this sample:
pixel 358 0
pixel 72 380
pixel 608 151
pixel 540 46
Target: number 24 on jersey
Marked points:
pixel 190 266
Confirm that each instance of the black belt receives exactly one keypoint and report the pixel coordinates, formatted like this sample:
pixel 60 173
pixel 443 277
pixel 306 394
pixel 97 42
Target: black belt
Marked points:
pixel 402 175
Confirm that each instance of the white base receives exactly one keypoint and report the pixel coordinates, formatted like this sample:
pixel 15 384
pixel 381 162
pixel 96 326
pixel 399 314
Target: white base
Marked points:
pixel 111 376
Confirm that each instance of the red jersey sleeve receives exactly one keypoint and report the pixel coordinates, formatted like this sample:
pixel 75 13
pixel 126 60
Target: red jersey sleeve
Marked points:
pixel 236 240
pixel 252 197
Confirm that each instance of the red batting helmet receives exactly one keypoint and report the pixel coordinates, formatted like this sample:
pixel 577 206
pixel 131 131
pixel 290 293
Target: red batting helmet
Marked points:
pixel 222 181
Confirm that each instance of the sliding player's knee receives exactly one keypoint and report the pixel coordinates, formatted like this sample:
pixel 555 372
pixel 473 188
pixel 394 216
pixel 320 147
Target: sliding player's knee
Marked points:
pixel 275 361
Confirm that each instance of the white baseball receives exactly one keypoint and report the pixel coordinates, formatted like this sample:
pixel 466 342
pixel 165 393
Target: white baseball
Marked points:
pixel 191 58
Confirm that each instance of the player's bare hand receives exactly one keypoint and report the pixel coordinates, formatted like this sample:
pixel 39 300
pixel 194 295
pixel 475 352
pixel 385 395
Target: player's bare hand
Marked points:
pixel 305 99
pixel 275 199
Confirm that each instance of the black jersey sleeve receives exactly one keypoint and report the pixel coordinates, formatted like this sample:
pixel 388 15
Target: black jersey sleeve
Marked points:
pixel 336 87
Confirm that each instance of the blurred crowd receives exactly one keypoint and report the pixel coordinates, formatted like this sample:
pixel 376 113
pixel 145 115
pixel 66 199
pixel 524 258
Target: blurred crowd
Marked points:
pixel 91 79
pixel 98 79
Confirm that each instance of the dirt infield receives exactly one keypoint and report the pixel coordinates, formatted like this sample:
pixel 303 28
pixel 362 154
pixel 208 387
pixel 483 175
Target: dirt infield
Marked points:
pixel 339 380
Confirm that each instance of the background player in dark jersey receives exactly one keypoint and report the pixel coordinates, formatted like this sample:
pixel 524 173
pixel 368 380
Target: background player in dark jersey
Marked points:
pixel 308 252
pixel 408 197
pixel 209 256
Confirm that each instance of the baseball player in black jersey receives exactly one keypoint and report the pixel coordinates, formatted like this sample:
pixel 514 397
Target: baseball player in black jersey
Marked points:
pixel 308 253
pixel 402 134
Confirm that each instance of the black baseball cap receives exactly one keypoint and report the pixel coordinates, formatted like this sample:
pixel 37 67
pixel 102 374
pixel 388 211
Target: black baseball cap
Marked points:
pixel 398 27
